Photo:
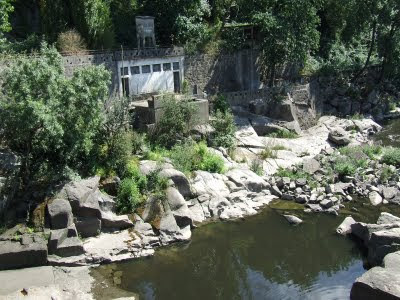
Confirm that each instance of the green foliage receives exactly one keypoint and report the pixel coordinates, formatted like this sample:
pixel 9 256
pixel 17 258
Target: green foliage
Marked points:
pixel 132 171
pixel 224 125
pixel 345 167
pixel 129 197
pixel 296 174
pixel 176 122
pixel 355 152
pixel 6 8
pixel 71 42
pixel 386 174
pixel 220 104
pixel 48 119
pixel 267 153
pixel 289 32
pixel 284 134
pixel 391 156
pixel 189 157
pixel 257 167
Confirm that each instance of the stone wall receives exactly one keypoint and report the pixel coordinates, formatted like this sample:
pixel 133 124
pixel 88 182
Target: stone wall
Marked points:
pixel 222 73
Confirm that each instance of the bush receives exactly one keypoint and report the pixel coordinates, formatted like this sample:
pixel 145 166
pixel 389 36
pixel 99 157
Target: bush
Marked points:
pixel 220 104
pixel 267 153
pixel 257 167
pixel 391 156
pixel 132 171
pixel 284 134
pixel 224 125
pixel 176 122
pixel 344 167
pixel 71 42
pixel 48 118
pixel 129 197
pixel 386 174
pixel 190 157
pixel 372 151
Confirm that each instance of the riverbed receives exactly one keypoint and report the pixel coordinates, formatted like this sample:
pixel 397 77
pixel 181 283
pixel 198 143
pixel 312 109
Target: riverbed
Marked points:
pixel 261 257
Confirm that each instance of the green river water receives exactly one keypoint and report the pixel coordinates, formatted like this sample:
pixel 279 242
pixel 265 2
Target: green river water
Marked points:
pixel 261 257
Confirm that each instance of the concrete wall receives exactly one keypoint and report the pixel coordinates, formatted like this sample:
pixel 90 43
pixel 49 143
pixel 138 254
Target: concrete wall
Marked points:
pixel 162 81
pixel 222 73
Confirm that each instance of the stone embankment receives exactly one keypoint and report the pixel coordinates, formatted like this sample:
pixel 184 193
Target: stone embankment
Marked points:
pixel 382 241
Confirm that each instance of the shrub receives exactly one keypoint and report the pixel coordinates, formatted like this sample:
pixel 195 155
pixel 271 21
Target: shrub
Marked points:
pixel 220 104
pixel 176 122
pixel 386 174
pixel 372 150
pixel 71 41
pixel 157 184
pixel 267 153
pixel 284 134
pixel 391 156
pixel 189 157
pixel 345 167
pixel 132 171
pixel 257 167
pixel 129 197
pixel 224 125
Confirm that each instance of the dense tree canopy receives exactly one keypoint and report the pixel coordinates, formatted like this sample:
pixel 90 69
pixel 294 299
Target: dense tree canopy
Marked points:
pixel 333 34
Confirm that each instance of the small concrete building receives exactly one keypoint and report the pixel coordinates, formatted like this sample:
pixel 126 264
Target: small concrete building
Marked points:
pixel 151 71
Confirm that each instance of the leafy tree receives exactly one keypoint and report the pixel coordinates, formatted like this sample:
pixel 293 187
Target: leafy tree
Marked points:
pixel 50 120
pixel 6 8
pixel 289 33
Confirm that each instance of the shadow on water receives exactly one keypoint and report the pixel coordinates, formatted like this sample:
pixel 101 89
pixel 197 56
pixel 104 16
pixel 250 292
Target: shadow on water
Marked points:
pixel 262 257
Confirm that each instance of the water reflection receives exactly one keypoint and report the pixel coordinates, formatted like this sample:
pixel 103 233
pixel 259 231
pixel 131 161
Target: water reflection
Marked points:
pixel 260 258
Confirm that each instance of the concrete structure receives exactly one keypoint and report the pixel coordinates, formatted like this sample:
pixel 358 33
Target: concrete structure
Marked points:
pixel 145 32
pixel 150 75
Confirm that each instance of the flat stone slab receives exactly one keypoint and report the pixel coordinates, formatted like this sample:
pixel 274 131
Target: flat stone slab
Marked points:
pixel 16 280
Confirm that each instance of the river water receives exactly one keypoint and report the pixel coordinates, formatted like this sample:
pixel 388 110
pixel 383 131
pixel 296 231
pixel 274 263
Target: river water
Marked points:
pixel 262 257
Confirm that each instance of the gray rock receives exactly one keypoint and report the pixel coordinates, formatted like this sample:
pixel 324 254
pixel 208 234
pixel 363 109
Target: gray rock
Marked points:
pixel 339 136
pixel 207 183
pixel 314 207
pixel 153 208
pixel 111 185
pixel 301 182
pixel 197 213
pixel 13 255
pixel 375 198
pixel 377 283
pixel 71 246
pixel 301 199
pixel 58 236
pixel 88 226
pixel 386 218
pixel 293 219
pixel 389 192
pixel 180 180
pixel 247 178
pixel 217 204
pixel 149 166
pixel 174 198
pixel 276 191
pixel 111 220
pixel 326 203
pixel 60 213
pixel 382 243
pixel 311 166
pixel 287 196
pixel 171 232
pixel 345 227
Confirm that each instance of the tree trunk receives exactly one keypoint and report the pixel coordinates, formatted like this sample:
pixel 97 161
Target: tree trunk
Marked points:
pixel 371 48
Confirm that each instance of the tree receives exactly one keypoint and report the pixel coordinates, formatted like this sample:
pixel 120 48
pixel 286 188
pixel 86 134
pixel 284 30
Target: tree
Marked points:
pixel 289 34
pixel 48 119
pixel 6 8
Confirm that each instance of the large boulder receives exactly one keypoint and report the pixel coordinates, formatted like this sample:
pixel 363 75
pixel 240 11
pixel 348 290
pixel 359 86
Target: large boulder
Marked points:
pixel 217 204
pixel 345 227
pixel 112 221
pixel 386 218
pixel 153 209
pixel 60 214
pixel 170 231
pixel 248 179
pixel 293 219
pixel 178 206
pixel 180 181
pixel 339 136
pixel 375 198
pixel 311 165
pixel 88 226
pixel 381 243
pixel 18 254
pixel 207 183
pixel 149 166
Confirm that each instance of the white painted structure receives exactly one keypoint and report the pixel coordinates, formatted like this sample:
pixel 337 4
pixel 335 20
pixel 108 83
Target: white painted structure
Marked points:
pixel 150 75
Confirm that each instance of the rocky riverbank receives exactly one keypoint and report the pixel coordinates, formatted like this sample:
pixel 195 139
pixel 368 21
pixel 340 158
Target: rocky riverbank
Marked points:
pixel 83 230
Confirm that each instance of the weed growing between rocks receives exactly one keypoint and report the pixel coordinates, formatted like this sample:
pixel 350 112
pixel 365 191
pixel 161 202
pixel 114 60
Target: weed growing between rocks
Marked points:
pixel 284 134
pixel 257 167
